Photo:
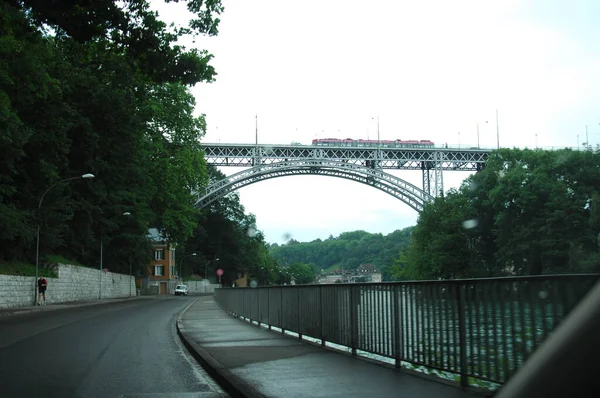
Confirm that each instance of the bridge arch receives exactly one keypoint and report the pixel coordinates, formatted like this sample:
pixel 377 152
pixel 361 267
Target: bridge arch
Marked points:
pixel 376 178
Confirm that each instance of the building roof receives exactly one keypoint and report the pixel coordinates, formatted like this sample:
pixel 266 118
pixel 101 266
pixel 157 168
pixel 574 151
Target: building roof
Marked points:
pixel 367 268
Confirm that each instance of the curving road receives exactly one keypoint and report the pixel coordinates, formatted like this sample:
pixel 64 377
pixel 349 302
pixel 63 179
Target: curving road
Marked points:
pixel 121 349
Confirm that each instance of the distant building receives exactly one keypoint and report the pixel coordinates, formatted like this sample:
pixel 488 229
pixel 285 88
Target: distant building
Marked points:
pixel 364 273
pixel 161 274
pixel 367 268
pixel 370 270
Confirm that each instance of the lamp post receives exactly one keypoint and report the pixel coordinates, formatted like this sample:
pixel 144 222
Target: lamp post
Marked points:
pixel 206 271
pixel 497 130
pixel 37 248
pixel 102 262
pixel 587 141
pixel 378 154
pixel 378 143
pixel 181 264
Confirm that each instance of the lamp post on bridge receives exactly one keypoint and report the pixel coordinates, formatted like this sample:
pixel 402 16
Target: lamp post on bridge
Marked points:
pixel 37 249
pixel 378 154
pixel 497 130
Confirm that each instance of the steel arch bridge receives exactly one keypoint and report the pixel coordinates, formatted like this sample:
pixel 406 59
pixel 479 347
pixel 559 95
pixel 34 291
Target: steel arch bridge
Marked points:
pixel 364 165
pixel 398 188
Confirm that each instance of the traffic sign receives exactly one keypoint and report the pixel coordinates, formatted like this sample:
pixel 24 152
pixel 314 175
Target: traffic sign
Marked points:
pixel 219 272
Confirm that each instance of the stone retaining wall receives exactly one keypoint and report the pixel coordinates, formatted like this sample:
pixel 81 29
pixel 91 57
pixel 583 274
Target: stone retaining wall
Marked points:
pixel 74 283
pixel 195 287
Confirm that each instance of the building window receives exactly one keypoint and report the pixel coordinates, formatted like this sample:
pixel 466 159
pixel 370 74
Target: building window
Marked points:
pixel 172 256
pixel 159 270
pixel 159 254
pixel 172 270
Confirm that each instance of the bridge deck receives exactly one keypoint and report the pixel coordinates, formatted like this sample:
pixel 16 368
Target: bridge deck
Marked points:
pixel 248 155
pixel 265 363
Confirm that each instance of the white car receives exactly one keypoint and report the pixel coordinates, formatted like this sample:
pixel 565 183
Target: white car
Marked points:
pixel 181 290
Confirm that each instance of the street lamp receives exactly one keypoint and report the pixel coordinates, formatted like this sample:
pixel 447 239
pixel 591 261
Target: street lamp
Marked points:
pixel 181 264
pixel 497 130
pixel 37 249
pixel 378 154
pixel 102 262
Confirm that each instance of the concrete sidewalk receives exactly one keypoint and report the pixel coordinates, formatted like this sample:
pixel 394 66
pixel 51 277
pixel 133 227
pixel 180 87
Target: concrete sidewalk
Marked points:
pixel 254 362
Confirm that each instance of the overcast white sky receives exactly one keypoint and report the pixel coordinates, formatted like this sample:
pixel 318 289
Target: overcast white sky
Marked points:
pixel 430 69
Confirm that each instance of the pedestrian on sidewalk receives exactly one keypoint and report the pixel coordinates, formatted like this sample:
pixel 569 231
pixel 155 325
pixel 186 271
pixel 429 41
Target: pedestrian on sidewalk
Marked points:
pixel 42 284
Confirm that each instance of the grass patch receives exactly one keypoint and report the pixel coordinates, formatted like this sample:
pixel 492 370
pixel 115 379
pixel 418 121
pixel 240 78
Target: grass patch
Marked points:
pixel 47 267
pixel 55 259
pixel 24 269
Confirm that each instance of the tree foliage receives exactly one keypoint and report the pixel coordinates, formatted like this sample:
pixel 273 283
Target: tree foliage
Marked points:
pixel 527 213
pixel 98 87
pixel 302 273
pixel 348 251
pixel 225 232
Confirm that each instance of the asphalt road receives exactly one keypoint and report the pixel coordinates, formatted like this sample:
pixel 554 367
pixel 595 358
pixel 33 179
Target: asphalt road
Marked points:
pixel 121 349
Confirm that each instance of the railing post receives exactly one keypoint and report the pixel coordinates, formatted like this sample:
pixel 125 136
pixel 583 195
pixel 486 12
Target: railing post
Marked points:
pixel 322 316
pixel 353 320
pixel 269 308
pixel 462 334
pixel 299 317
pixel 397 327
pixel 259 310
pixel 281 309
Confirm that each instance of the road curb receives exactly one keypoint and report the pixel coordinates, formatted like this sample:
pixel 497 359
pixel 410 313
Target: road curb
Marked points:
pixel 231 383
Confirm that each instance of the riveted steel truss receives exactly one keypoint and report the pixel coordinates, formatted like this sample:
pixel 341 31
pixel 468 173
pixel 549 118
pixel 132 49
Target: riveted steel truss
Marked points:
pixel 247 155
pixel 433 178
pixel 432 161
pixel 397 187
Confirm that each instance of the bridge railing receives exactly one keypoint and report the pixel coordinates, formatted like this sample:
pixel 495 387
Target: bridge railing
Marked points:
pixel 469 331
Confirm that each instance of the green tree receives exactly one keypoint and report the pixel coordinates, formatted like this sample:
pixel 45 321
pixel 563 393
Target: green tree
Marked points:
pixel 98 87
pixel 224 230
pixel 302 273
pixel 532 212
pixel 440 242
pixel 348 250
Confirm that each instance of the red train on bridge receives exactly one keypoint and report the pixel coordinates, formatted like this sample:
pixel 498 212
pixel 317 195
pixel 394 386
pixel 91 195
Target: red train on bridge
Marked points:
pixel 349 142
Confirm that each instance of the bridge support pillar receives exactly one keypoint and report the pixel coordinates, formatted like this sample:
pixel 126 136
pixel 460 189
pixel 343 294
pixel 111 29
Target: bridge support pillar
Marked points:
pixel 433 178
pixel 439 176
pixel 426 177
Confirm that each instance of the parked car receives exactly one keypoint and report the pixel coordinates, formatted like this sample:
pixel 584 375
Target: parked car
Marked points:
pixel 181 290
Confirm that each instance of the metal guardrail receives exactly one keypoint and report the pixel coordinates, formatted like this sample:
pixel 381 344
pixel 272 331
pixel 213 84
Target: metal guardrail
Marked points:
pixel 476 329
